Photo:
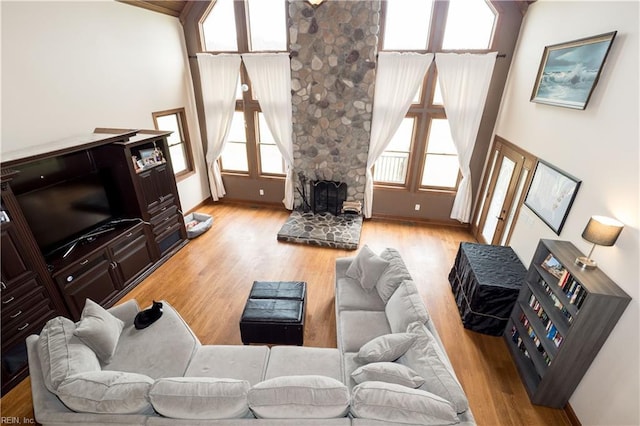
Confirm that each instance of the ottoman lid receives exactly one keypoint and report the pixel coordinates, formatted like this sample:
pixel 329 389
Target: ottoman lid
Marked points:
pixel 294 290
pixel 272 310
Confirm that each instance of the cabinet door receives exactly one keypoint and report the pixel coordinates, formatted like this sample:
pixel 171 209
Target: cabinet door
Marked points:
pixel 92 278
pixel 149 189
pixel 164 181
pixel 132 254
pixel 14 267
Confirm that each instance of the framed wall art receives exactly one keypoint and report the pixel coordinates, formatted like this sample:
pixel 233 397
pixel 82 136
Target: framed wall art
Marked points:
pixel 551 195
pixel 569 71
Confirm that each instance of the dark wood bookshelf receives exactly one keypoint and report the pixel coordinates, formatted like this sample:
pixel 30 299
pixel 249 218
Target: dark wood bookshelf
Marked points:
pixel 551 380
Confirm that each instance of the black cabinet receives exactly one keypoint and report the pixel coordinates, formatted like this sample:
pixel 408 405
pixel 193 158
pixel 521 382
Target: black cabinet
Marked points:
pixel 561 319
pixel 130 172
pixel 26 300
pixel 104 270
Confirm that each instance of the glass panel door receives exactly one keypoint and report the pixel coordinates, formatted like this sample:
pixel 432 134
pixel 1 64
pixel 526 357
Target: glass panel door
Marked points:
pixel 504 188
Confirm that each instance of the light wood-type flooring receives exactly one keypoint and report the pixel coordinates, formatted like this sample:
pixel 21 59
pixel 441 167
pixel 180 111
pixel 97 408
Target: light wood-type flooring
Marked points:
pixel 209 279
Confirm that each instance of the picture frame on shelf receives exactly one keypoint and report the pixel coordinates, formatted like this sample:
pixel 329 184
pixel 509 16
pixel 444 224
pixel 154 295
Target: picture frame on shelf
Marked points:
pixel 551 195
pixel 569 71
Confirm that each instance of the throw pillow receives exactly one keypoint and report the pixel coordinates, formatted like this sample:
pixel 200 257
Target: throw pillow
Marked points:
pixel 404 307
pixel 393 276
pixel 108 392
pixel 194 398
pixel 62 354
pixel 299 397
pixel 389 402
pixel 366 268
pixel 388 372
pixel 99 330
pixel 427 358
pixel 387 347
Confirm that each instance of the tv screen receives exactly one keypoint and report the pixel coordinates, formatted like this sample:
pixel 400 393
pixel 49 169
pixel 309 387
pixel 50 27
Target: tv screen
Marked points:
pixel 62 212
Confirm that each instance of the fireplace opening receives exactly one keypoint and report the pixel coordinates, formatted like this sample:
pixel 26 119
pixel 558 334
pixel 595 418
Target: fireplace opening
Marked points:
pixel 328 196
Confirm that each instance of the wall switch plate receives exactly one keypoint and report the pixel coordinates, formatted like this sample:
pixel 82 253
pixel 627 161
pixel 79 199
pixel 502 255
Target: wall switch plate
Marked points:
pixel 417 207
pixel 261 192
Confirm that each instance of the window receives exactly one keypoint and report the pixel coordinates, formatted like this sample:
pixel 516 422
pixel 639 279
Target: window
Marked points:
pixel 271 161
pixel 179 144
pixel 424 136
pixel 469 25
pixel 250 147
pixel 234 154
pixel 406 24
pixel 392 165
pixel 441 159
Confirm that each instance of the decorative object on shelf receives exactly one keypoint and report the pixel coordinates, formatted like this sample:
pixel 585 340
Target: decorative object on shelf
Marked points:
pixel 569 71
pixel 602 231
pixel 551 195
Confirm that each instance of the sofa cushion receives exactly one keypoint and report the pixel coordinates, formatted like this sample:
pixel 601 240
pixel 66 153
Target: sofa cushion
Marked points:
pixel 200 398
pixel 389 372
pixel 163 349
pixel 366 268
pixel 389 402
pixel 99 330
pixel 404 307
pixel 302 360
pixel 393 275
pixel 358 327
pixel 109 392
pixel 304 397
pixel 388 347
pixel 350 296
pixel 233 361
pixel 62 354
pixel 427 358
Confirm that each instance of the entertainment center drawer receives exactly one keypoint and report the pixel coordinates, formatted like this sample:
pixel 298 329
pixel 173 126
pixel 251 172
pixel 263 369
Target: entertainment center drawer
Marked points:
pixel 167 224
pixel 22 302
pixel 163 216
pixel 13 291
pixel 19 325
pixel 78 269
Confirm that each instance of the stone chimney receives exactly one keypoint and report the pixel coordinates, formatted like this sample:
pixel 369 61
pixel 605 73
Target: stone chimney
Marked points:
pixel 333 59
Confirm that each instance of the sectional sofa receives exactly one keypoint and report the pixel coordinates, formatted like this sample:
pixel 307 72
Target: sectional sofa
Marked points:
pixel 389 367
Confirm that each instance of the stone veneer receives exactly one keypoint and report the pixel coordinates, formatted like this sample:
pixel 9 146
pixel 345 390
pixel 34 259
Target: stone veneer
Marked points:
pixel 333 58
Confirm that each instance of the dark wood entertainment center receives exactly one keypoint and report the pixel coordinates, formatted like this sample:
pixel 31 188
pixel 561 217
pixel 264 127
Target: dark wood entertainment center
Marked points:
pixel 144 228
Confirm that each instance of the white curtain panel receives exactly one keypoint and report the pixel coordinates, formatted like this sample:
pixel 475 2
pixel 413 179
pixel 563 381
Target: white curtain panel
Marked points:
pixel 464 82
pixel 270 75
pixel 398 77
pixel 219 78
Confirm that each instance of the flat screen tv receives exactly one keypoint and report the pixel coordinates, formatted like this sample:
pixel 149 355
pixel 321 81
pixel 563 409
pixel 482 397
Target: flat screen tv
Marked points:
pixel 60 213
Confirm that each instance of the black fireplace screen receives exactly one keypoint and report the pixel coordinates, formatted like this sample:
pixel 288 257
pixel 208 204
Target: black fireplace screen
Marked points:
pixel 328 196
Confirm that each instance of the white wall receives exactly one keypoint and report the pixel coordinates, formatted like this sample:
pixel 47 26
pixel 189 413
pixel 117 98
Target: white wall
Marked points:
pixel 599 145
pixel 69 67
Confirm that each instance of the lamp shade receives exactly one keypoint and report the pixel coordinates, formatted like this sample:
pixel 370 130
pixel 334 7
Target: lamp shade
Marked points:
pixel 603 231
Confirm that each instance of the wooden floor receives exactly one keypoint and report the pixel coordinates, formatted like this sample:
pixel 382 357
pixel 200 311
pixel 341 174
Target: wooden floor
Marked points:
pixel 209 279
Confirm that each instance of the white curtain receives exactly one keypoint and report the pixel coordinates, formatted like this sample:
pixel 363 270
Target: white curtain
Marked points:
pixel 270 75
pixel 464 82
pixel 398 77
pixel 219 78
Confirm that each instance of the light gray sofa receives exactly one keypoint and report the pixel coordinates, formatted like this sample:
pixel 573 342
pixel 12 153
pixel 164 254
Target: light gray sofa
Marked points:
pixel 163 375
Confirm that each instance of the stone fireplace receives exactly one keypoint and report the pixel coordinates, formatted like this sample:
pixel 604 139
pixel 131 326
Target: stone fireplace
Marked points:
pixel 333 59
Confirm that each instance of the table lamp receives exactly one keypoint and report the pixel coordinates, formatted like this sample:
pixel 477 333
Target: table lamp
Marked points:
pixel 602 231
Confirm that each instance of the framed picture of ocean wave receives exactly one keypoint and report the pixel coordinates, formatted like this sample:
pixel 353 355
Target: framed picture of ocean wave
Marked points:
pixel 569 71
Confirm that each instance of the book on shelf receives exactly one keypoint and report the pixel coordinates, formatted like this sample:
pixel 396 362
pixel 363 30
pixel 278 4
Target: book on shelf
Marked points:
pixel 553 266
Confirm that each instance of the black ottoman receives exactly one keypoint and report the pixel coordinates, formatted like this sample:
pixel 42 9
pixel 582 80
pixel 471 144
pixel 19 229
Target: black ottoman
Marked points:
pixel 274 313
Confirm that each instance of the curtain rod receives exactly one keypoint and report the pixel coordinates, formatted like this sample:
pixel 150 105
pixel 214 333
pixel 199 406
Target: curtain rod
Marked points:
pixel 500 55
